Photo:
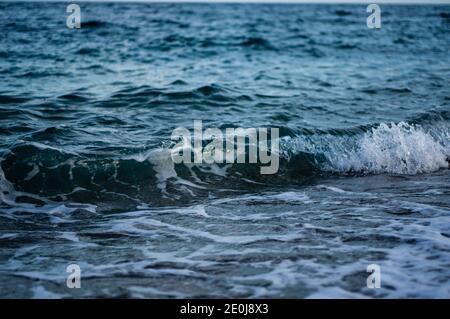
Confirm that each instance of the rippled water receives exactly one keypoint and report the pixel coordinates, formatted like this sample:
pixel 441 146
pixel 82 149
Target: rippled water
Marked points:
pixel 85 175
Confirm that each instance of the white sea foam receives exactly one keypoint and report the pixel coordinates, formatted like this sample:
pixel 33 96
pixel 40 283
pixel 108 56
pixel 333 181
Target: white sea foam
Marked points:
pixel 397 149
pixel 163 166
pixel 6 189
pixel 387 148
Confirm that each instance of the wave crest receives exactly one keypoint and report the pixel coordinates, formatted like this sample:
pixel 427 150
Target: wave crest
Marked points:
pixel 387 148
pixel 399 149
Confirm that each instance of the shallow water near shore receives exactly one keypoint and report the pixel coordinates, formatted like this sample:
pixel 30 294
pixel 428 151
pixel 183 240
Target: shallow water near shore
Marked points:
pixel 85 173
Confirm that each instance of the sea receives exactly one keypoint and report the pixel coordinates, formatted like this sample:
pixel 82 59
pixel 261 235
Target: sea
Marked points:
pixel 88 186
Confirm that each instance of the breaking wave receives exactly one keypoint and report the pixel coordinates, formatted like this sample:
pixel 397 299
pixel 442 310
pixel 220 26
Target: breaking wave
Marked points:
pixel 387 148
pixel 390 148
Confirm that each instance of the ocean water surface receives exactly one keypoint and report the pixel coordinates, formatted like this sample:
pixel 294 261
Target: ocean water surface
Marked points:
pixel 86 117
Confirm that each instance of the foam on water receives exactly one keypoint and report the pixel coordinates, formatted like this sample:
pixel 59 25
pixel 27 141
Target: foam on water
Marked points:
pixel 86 175
pixel 398 149
pixel 386 148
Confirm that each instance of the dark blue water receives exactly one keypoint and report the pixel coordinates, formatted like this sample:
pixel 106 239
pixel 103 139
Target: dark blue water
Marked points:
pixel 86 177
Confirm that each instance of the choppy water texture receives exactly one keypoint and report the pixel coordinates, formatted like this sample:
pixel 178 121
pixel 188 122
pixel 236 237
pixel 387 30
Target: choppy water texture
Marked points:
pixel 86 117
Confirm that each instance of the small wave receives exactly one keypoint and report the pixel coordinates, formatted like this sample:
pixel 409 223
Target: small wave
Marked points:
pixel 9 99
pixel 373 91
pixel 73 97
pixel 151 177
pixel 87 51
pixel 93 24
pixel 387 148
pixel 212 93
pixel 397 149
pixel 257 42
pixel 342 13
